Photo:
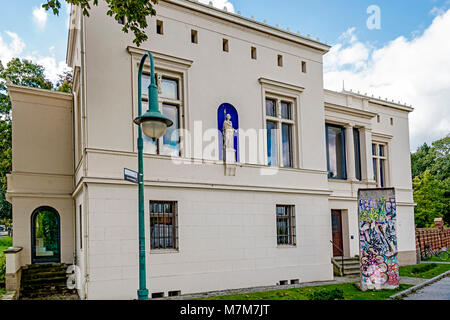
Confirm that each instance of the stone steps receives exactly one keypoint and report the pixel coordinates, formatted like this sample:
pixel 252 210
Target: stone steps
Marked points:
pixel 39 281
pixel 351 266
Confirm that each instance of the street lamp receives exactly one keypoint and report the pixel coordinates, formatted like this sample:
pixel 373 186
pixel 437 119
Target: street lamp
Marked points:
pixel 154 125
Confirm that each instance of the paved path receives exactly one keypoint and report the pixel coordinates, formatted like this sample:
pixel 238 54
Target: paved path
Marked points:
pixel 439 290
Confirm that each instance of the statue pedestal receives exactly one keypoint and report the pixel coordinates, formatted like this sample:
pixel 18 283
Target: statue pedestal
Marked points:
pixel 230 162
pixel 230 156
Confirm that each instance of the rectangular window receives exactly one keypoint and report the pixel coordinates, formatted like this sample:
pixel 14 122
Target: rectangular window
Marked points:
pixel 286 225
pixel 356 139
pixel 272 154
pixel 171 107
pixel 271 108
pixel 163 225
pixel 336 152
pixel 280 128
pixel 171 139
pixel 304 66
pixel 121 20
pixel 159 27
pixel 287 145
pixel 254 55
pixel 225 45
pixel 280 60
pixel 194 36
pixel 380 161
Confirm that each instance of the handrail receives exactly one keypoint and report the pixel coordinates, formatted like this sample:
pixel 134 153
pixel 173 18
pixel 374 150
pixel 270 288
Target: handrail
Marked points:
pixel 342 257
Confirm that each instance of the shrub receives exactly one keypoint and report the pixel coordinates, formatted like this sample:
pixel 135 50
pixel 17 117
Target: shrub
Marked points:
pixel 2 270
pixel 325 294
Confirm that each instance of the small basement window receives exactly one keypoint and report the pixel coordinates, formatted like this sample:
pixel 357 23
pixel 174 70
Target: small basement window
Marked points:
pixel 284 282
pixel 174 293
pixel 225 45
pixel 159 27
pixel 157 295
pixel 194 36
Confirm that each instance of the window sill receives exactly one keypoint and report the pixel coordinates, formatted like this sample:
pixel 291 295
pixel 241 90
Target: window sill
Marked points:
pixel 164 251
pixel 286 246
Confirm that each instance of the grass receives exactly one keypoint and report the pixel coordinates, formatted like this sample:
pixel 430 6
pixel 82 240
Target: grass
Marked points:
pixel 424 271
pixel 5 243
pixel 350 292
pixel 434 258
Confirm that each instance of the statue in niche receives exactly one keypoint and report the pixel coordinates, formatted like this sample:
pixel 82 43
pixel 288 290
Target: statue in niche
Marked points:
pixel 228 133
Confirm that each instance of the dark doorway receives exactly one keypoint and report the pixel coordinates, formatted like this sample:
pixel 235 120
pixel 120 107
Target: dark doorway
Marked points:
pixel 45 236
pixel 336 229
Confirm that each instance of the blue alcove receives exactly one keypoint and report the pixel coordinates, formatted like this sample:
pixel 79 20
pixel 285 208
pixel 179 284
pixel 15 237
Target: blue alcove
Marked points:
pixel 222 112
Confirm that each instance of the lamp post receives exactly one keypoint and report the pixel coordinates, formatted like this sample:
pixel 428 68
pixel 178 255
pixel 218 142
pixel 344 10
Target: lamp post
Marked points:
pixel 154 125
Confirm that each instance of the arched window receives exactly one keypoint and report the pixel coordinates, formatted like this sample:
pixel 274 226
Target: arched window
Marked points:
pixel 45 236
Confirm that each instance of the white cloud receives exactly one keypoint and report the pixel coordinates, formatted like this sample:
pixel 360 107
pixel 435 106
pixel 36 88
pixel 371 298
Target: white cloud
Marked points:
pixel 15 49
pixel 415 71
pixel 220 4
pixel 40 17
pixel 11 49
pixel 52 68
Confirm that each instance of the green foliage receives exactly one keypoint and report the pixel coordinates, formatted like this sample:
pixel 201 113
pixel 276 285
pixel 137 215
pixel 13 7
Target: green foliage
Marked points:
pixel 326 294
pixel 134 11
pixel 22 73
pixel 5 242
pixel 431 182
pixel 2 270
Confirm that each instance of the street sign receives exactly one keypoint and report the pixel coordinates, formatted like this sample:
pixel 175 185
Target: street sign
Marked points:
pixel 131 176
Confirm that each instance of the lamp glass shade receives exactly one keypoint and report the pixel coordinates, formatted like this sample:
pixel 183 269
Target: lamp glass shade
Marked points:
pixel 154 129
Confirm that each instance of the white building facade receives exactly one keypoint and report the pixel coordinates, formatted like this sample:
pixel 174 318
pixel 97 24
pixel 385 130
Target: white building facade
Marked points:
pixel 265 218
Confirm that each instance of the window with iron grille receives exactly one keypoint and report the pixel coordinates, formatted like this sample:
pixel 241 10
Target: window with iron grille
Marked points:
pixel 163 225
pixel 286 225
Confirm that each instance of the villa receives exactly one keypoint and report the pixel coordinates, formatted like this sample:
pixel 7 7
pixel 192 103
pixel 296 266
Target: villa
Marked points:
pixel 274 210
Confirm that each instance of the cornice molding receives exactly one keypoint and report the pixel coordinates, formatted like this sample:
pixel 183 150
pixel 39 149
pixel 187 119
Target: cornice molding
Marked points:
pixel 350 111
pixel 249 23
pixel 160 58
pixel 278 85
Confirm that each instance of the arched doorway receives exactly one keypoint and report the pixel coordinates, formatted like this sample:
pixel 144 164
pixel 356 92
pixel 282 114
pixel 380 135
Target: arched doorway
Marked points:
pixel 45 236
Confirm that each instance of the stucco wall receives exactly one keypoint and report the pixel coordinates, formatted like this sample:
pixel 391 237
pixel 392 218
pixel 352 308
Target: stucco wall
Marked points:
pixel 226 240
pixel 42 164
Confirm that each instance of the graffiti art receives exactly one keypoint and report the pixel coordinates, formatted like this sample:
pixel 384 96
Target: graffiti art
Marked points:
pixel 378 239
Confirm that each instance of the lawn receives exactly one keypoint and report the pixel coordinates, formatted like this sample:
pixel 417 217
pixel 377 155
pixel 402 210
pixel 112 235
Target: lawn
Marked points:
pixel 5 243
pixel 425 271
pixel 349 290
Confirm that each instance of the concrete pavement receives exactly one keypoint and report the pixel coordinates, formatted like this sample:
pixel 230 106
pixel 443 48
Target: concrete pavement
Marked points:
pixel 439 290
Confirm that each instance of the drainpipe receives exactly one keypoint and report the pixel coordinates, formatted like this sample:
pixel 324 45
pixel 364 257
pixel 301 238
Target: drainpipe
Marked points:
pixel 84 139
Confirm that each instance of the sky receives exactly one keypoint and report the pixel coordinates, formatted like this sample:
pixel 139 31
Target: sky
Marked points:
pixel 398 50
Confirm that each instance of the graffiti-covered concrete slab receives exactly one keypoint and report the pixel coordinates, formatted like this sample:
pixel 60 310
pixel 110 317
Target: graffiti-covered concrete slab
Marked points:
pixel 378 239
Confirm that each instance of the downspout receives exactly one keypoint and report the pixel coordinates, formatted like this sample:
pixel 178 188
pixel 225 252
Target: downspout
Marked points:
pixel 84 139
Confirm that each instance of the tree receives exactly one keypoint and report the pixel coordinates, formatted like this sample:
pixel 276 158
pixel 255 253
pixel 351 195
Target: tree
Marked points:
pixel 429 195
pixel 135 13
pixel 23 73
pixel 65 81
pixel 431 182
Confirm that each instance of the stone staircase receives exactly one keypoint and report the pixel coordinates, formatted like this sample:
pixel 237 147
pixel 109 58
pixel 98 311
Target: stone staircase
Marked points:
pixel 44 281
pixel 351 266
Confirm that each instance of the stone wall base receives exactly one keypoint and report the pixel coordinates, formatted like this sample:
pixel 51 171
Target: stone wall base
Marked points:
pixel 407 258
pixel 12 281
